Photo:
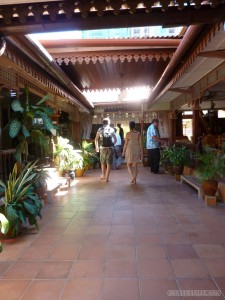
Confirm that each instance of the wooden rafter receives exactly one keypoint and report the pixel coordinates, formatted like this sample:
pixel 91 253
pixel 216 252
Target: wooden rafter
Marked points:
pixel 181 90
pixel 81 15
pixel 213 54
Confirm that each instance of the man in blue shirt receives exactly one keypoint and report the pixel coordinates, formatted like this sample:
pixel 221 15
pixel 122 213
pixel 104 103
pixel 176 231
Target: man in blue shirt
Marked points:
pixel 153 144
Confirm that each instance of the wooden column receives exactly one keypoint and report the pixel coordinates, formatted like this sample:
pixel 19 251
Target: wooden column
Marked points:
pixel 195 124
pixel 142 119
pixel 179 125
pixel 76 132
pixel 172 127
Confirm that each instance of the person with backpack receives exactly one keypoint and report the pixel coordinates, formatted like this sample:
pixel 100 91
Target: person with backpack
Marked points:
pixel 104 143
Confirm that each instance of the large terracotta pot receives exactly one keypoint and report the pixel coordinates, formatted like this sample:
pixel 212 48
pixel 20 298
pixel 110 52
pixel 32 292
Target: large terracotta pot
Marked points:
pixel 169 169
pixel 209 187
pixel 177 170
pixel 79 172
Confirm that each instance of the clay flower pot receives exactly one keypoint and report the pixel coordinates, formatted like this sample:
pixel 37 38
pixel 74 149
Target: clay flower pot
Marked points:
pixel 209 187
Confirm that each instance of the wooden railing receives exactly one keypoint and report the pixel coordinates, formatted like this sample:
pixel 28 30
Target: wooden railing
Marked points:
pixel 6 163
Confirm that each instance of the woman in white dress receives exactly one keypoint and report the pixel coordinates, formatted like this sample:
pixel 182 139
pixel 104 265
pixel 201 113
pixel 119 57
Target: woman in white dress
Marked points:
pixel 132 151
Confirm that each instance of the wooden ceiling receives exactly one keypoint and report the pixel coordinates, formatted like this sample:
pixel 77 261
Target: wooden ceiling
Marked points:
pixel 92 64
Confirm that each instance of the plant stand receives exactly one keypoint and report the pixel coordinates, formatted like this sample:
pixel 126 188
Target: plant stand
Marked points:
pixel 210 200
pixel 221 191
pixel 177 177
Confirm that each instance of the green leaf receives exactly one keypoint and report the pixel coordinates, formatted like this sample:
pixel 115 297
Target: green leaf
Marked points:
pixel 2 184
pixel 32 209
pixel 17 155
pixel 14 128
pixel 47 122
pixel 11 215
pixel 22 217
pixel 16 106
pixel 45 98
pixel 32 221
pixel 15 230
pixel 26 132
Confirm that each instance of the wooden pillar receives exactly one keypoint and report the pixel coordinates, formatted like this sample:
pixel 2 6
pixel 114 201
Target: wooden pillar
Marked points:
pixel 179 124
pixel 142 119
pixel 172 127
pixel 76 132
pixel 195 124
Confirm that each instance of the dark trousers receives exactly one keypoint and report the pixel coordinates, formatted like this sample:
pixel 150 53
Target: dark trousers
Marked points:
pixel 154 159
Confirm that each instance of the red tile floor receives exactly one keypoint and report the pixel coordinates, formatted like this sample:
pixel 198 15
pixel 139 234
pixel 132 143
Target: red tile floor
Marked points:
pixel 117 241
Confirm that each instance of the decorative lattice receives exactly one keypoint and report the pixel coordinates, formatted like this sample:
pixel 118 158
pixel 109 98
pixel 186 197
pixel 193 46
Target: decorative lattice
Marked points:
pixel 8 76
pixel 114 57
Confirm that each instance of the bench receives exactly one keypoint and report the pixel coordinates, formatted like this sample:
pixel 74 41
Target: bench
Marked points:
pixel 52 188
pixel 194 182
pixel 54 183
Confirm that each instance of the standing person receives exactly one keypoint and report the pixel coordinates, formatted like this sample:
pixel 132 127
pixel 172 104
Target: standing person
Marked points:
pixel 121 133
pixel 132 151
pixel 104 142
pixel 153 144
pixel 117 156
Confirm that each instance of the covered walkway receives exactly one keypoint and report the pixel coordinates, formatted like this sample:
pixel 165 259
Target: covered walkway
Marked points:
pixel 117 241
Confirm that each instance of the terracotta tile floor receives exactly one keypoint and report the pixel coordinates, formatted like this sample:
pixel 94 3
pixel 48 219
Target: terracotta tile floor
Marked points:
pixel 117 241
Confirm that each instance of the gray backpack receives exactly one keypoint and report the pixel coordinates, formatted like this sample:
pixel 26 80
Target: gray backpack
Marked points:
pixel 106 137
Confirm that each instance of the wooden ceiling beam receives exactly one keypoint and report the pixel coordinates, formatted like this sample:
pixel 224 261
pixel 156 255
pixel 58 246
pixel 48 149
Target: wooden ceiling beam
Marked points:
pixel 132 42
pixel 213 54
pixel 181 90
pixel 24 24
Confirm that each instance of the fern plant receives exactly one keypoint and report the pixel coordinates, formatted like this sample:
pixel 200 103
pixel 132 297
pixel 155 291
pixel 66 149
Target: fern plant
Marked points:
pixel 22 126
pixel 178 155
pixel 211 166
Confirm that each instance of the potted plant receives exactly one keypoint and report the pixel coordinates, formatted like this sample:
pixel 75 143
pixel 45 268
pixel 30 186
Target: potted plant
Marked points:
pixel 178 157
pixel 22 126
pixel 89 154
pixel 165 157
pixel 78 163
pixel 63 152
pixel 210 170
pixel 19 203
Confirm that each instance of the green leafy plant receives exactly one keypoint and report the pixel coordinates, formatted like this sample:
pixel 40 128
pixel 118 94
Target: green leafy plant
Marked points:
pixel 166 155
pixel 22 126
pixel 178 155
pixel 63 153
pixel 211 166
pixel 41 177
pixel 20 201
pixel 88 153
pixel 4 226
pixel 143 140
